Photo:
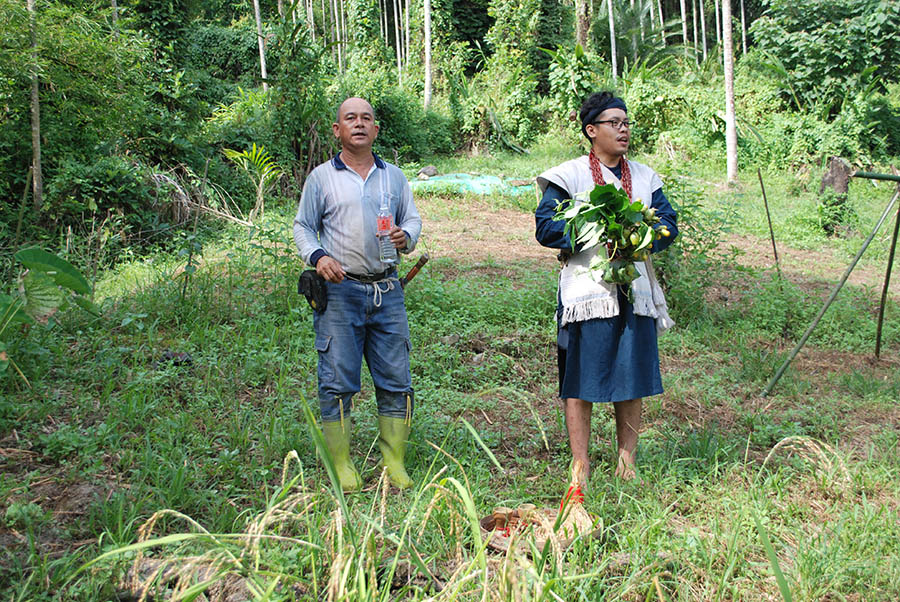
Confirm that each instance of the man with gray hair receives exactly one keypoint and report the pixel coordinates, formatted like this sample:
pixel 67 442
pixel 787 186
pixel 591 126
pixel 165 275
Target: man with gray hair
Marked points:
pixel 336 231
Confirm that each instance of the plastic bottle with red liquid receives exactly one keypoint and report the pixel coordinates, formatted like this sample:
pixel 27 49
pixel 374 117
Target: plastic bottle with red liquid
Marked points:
pixel 386 251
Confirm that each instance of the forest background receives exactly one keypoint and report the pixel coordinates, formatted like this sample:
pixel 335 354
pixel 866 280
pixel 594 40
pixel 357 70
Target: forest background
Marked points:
pixel 134 100
pixel 160 148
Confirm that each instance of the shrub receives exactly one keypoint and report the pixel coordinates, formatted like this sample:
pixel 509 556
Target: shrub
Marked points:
pixel 109 184
pixel 687 268
pixel 572 77
pixel 824 51
pixel 405 127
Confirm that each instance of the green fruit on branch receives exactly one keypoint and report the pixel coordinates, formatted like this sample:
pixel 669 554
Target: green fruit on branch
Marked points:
pixel 621 231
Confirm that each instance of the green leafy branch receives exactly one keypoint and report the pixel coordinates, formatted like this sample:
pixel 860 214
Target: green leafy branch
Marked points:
pixel 621 230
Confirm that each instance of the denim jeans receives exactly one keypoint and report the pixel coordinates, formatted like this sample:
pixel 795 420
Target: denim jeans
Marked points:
pixel 364 320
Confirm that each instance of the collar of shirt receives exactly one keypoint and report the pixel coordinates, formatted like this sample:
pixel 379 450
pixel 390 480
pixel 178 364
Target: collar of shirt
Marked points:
pixel 338 164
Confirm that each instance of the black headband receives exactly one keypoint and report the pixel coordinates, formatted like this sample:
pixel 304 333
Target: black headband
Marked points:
pixel 613 103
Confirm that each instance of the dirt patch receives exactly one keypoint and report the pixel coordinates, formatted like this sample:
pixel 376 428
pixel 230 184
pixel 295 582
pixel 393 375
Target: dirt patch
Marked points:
pixel 481 232
pixel 488 272
pixel 471 231
pixel 812 270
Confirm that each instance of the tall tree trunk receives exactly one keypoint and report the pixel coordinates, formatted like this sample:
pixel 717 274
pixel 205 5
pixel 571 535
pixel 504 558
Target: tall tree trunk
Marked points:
pixel 684 35
pixel 703 28
pixel 634 44
pixel 339 35
pixel 427 53
pixel 652 14
pixel 37 180
pixel 330 30
pixel 311 15
pixel 694 29
pixel 743 30
pixel 406 38
pixel 336 19
pixel 281 9
pixel 582 21
pixel 730 125
pixel 662 23
pixel 387 22
pixel 262 45
pixel 612 42
pixel 718 26
pixel 324 22
pixel 397 41
pixel 342 45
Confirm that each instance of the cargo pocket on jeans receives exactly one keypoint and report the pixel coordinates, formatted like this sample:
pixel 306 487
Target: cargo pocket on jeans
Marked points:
pixel 326 366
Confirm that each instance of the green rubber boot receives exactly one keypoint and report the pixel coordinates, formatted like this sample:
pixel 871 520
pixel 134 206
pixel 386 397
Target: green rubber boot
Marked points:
pixel 394 435
pixel 337 440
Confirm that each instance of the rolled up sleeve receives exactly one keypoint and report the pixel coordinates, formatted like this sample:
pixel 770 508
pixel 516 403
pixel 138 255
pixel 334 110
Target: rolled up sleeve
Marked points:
pixel 667 217
pixel 308 221
pixel 549 232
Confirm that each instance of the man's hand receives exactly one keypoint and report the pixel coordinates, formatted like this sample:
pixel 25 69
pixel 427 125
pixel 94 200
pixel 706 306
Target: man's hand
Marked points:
pixel 398 237
pixel 329 269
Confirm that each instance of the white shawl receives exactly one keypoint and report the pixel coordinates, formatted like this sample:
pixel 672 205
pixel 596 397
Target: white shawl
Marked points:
pixel 583 293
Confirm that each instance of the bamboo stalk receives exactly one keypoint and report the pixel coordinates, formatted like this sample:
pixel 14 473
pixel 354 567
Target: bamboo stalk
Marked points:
pixel 397 41
pixel 703 28
pixel 406 51
pixel 769 218
pixel 342 11
pixel 662 23
pixel 870 175
pixel 694 29
pixel 887 283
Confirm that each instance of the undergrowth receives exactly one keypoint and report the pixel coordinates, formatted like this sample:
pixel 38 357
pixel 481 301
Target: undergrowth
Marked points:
pixel 167 446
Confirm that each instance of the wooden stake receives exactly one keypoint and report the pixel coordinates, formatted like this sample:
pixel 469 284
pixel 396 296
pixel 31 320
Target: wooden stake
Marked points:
pixel 769 217
pixel 887 283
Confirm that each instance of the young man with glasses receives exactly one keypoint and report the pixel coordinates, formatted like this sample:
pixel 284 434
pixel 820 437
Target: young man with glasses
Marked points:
pixel 607 346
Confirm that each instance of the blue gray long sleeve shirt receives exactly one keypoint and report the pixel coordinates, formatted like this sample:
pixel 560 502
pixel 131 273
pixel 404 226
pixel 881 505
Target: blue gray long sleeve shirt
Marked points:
pixel 338 210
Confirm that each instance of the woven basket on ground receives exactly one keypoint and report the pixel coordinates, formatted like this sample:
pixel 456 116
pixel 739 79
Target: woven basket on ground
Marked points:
pixel 521 526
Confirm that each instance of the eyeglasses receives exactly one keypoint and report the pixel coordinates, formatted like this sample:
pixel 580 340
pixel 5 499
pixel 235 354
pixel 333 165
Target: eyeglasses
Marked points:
pixel 616 124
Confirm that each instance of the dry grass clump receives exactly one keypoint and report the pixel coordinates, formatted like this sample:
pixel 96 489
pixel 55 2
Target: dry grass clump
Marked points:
pixel 825 459
pixel 358 554
pixel 232 568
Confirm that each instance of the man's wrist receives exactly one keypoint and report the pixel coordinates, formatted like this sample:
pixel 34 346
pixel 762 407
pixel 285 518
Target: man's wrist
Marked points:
pixel 316 256
pixel 405 247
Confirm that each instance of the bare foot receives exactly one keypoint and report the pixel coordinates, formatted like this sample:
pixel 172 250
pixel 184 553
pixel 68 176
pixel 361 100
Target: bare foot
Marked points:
pixel 625 468
pixel 580 473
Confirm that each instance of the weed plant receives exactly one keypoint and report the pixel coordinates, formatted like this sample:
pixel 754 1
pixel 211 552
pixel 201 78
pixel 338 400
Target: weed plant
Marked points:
pixel 169 447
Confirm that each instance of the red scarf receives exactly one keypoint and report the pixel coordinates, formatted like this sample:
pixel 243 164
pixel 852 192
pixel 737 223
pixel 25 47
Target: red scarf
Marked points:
pixel 597 173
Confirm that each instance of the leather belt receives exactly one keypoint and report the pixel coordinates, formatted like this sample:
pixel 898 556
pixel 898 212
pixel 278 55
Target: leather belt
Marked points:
pixel 370 278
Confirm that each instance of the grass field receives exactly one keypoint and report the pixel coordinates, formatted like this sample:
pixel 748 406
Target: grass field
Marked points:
pixel 127 466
